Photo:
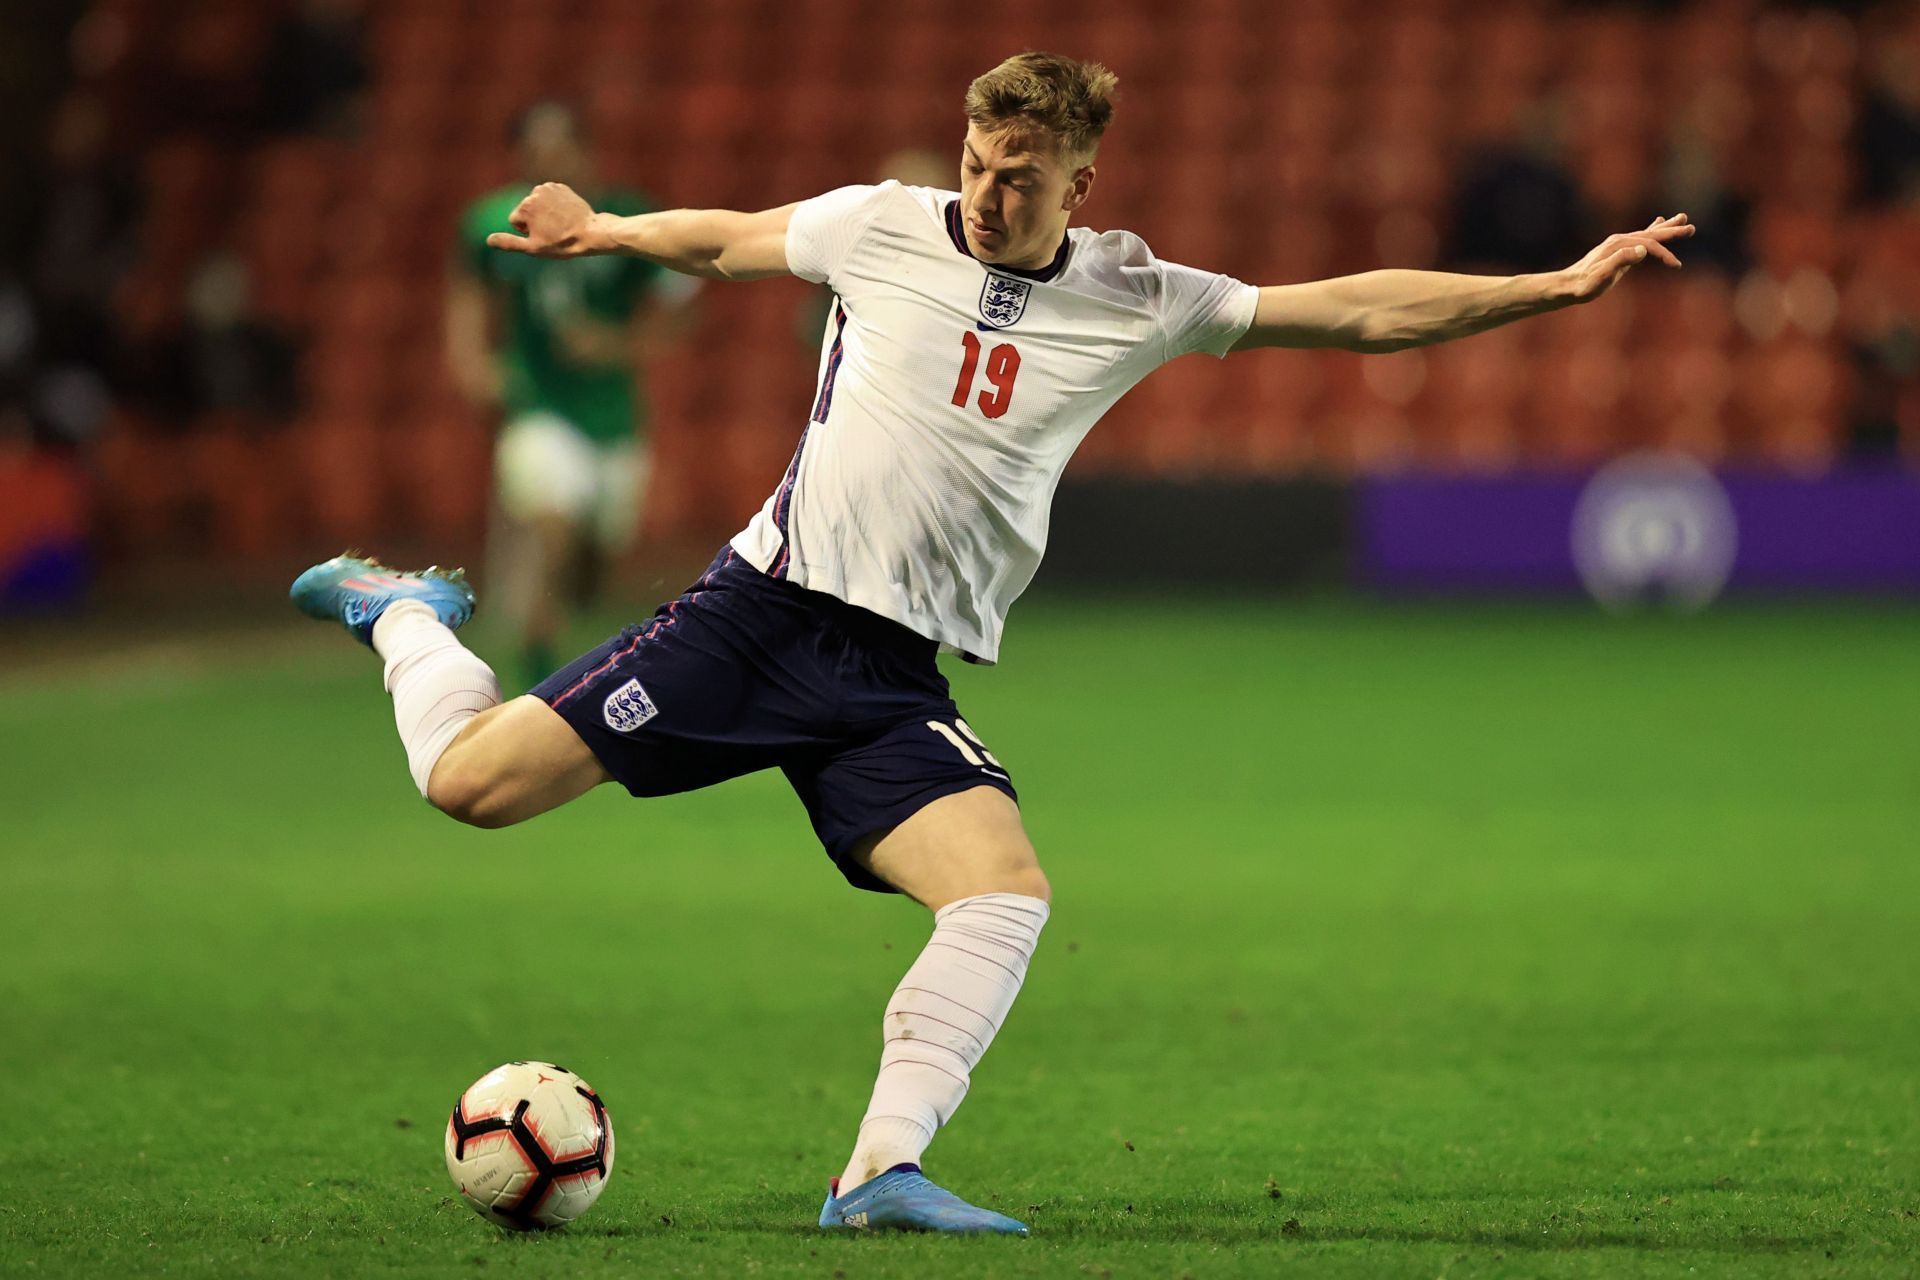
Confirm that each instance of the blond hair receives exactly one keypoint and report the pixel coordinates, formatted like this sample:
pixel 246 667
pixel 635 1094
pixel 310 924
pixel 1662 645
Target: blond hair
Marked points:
pixel 1068 102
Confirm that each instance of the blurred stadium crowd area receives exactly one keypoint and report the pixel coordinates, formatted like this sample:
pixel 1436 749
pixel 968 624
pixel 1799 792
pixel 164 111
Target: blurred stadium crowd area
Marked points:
pixel 230 307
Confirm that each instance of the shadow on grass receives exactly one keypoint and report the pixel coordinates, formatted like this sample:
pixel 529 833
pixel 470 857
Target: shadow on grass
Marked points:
pixel 1184 1223
pixel 1298 1221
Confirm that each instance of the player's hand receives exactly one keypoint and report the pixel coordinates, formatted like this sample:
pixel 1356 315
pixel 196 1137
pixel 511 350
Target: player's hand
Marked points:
pixel 553 222
pixel 1613 257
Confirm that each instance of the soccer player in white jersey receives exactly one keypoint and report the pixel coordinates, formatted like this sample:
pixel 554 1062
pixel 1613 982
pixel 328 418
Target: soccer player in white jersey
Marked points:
pixel 976 339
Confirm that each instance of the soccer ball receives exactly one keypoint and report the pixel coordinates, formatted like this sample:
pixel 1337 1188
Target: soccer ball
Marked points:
pixel 530 1146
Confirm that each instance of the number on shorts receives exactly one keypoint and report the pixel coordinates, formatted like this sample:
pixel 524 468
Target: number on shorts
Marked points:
pixel 965 744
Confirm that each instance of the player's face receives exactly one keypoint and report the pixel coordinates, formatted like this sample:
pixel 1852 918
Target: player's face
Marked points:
pixel 1016 198
pixel 552 151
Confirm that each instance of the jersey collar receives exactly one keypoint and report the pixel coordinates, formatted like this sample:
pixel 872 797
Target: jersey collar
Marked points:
pixel 1044 274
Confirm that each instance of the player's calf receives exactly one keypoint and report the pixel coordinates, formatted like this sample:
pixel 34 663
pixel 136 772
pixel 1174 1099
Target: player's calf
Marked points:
pixel 482 762
pixel 968 858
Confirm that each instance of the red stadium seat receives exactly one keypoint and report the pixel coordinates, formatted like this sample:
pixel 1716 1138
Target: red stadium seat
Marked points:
pixel 1271 443
pixel 1688 381
pixel 1178 400
pixel 1397 381
pixel 1472 440
pixel 1412 49
pixel 1316 50
pixel 236 477
pixel 1483 376
pixel 1511 46
pixel 338 502
pixel 181 169
pixel 441 463
pixel 525 46
pixel 1797 45
pixel 1115 443
pixel 141 487
pixel 1365 442
pixel 1575 398
pixel 1804 446
pixel 1697 306
pixel 346 374
pixel 1786 239
pixel 1702 436
pixel 411 114
pixel 218 41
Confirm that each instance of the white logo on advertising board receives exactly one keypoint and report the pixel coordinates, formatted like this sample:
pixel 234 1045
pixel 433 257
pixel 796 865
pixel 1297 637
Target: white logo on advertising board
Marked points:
pixel 1654 528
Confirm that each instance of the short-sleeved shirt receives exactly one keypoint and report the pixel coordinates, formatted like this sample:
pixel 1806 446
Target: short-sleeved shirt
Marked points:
pixel 540 297
pixel 951 394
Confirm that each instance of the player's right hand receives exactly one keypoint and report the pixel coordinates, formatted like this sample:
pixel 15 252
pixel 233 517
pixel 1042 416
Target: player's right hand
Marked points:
pixel 1609 261
pixel 552 221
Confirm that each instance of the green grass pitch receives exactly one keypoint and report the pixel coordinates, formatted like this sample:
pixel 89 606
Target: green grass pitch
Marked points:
pixel 1422 942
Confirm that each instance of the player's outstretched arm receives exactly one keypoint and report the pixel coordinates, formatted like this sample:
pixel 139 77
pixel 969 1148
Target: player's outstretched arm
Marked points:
pixel 1393 310
pixel 554 222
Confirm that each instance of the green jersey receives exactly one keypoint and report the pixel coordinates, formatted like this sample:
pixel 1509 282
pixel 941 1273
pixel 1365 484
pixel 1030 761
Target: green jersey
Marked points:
pixel 540 297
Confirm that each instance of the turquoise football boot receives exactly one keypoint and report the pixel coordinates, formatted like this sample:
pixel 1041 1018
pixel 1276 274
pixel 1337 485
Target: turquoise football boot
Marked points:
pixel 355 590
pixel 901 1199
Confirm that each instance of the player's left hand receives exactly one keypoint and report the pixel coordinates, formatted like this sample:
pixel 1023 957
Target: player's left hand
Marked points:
pixel 553 222
pixel 1613 257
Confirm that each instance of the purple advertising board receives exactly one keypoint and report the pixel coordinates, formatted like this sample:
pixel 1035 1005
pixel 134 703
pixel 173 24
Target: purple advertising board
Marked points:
pixel 1645 524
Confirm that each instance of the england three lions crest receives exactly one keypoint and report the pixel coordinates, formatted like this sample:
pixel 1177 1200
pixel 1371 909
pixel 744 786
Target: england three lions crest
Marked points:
pixel 1003 300
pixel 629 707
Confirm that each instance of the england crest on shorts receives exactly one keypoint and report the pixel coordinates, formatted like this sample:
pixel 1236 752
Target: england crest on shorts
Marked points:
pixel 629 707
pixel 1003 300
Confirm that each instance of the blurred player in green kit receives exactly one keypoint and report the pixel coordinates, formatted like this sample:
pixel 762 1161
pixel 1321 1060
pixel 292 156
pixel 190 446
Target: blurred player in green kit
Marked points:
pixel 556 348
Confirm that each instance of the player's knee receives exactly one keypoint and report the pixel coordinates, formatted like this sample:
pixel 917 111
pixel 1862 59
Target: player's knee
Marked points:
pixel 466 791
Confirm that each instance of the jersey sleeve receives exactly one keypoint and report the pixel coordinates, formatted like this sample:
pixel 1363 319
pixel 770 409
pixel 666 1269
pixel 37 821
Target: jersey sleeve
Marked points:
pixel 822 231
pixel 1198 310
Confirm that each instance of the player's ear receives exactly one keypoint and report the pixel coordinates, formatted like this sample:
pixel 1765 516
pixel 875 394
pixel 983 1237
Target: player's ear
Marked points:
pixel 1079 187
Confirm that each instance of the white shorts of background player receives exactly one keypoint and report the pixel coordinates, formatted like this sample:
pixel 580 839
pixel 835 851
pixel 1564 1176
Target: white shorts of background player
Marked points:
pixel 543 467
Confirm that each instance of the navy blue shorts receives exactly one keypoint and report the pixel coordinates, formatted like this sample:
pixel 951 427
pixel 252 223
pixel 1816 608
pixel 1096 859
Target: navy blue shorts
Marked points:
pixel 745 672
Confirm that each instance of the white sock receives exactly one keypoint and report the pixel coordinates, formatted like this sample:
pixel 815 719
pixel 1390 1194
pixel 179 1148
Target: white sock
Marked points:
pixel 940 1021
pixel 436 682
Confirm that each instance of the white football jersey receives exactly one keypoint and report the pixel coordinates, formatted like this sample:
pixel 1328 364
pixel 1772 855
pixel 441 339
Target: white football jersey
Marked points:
pixel 952 393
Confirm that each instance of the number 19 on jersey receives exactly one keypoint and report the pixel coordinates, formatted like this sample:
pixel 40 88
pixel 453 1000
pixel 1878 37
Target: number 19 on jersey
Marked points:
pixel 1002 366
